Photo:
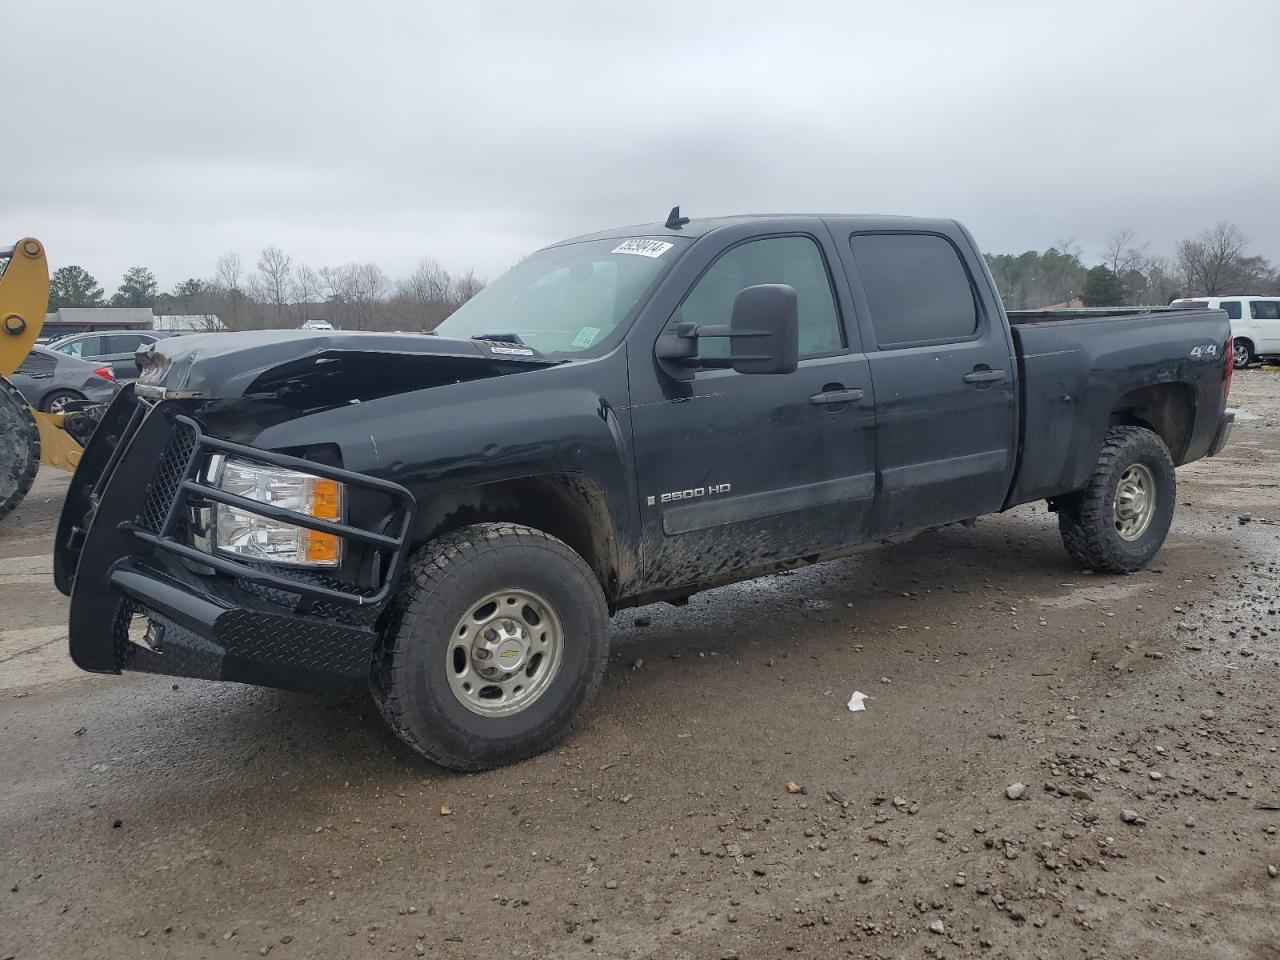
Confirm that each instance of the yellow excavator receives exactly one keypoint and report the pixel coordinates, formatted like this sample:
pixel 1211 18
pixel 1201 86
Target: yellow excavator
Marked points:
pixel 28 437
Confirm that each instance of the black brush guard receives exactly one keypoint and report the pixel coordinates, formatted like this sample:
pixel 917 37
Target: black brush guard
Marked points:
pixel 145 599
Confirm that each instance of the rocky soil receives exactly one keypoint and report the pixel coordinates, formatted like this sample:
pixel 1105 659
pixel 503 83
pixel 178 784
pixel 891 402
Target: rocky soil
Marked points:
pixel 1050 764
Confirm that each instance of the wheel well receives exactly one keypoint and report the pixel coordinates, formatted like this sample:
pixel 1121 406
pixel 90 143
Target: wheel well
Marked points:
pixel 1168 409
pixel 1248 341
pixel 568 506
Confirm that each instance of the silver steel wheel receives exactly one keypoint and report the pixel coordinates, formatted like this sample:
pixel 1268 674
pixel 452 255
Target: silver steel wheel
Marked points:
pixel 1135 503
pixel 1240 354
pixel 60 402
pixel 505 652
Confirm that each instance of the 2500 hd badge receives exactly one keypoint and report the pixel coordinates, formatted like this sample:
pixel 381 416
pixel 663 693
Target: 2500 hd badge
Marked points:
pixel 674 495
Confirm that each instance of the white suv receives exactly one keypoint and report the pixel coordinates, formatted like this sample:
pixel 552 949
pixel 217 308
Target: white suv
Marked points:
pixel 1255 324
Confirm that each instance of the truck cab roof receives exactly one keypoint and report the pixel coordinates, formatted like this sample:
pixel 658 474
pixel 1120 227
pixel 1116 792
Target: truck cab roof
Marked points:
pixel 701 226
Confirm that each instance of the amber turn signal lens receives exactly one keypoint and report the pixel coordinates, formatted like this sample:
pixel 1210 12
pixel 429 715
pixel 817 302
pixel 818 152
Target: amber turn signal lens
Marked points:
pixel 327 500
pixel 322 547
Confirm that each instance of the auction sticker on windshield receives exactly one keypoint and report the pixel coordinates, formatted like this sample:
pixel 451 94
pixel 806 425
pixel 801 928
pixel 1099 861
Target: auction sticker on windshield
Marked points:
pixel 643 248
pixel 586 336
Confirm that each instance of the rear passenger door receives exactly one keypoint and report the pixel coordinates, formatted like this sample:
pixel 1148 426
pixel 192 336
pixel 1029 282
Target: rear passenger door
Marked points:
pixel 1266 326
pixel 119 353
pixel 942 365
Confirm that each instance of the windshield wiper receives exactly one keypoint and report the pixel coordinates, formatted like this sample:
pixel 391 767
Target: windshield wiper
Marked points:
pixel 500 338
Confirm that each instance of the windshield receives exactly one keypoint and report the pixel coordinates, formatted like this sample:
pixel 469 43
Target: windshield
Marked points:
pixel 566 299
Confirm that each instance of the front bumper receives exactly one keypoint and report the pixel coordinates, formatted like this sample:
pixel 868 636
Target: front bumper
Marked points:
pixel 144 598
pixel 1224 433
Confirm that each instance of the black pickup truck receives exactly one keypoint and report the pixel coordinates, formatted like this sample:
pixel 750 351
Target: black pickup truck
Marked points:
pixel 622 418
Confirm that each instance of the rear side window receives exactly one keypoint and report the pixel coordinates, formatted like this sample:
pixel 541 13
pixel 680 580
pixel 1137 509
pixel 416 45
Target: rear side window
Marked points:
pixel 84 347
pixel 1264 310
pixel 917 288
pixel 1232 307
pixel 125 342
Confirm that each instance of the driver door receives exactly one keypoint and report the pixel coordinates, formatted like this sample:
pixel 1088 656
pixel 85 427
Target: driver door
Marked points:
pixel 739 471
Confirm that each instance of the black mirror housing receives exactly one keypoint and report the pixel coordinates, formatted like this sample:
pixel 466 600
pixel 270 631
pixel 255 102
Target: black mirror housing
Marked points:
pixel 763 332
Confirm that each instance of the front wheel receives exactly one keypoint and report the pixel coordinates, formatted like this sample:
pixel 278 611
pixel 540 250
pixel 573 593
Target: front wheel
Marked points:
pixel 495 645
pixel 1119 521
pixel 60 400
pixel 1241 354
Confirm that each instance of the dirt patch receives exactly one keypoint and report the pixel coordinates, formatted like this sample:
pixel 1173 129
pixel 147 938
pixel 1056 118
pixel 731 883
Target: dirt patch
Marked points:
pixel 151 818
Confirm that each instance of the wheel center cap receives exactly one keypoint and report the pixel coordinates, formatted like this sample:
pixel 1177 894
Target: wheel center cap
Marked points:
pixel 509 655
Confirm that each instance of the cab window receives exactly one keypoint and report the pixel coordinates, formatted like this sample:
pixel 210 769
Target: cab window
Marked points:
pixel 1233 308
pixel 795 261
pixel 1265 309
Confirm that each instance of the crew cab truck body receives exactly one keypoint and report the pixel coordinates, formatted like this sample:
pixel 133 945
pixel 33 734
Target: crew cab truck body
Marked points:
pixel 623 418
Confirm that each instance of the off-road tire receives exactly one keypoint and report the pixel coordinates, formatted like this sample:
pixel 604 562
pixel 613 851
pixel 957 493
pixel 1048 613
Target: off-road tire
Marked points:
pixel 19 448
pixel 1086 518
pixel 443 579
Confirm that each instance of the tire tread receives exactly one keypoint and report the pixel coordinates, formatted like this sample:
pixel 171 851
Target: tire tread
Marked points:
pixel 427 570
pixel 1084 516
pixel 28 440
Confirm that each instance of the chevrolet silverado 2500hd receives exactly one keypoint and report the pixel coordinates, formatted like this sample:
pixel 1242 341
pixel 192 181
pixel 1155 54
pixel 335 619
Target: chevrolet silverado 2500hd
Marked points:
pixel 622 418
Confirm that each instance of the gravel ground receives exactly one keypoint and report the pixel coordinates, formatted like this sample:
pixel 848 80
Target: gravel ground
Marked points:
pixel 723 801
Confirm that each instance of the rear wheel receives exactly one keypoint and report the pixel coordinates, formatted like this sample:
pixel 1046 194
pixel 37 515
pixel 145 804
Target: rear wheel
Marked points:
pixel 1242 354
pixel 496 643
pixel 19 448
pixel 57 401
pixel 1119 521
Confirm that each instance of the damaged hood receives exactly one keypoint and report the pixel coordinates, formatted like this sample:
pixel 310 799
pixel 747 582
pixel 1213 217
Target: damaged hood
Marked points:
pixel 305 369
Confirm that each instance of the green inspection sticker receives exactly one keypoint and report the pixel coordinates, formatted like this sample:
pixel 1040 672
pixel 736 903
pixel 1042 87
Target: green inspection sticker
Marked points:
pixel 586 336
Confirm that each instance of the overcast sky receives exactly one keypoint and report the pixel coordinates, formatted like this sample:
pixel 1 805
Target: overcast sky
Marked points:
pixel 165 134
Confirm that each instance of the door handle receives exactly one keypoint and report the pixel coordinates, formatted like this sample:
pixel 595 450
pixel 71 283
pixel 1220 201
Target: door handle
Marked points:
pixel 984 376
pixel 827 397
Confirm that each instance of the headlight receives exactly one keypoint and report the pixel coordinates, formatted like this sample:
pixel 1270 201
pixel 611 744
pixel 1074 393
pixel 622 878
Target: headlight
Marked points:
pixel 250 535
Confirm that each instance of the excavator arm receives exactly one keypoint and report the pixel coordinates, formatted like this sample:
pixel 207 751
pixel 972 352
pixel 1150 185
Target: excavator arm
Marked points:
pixel 24 296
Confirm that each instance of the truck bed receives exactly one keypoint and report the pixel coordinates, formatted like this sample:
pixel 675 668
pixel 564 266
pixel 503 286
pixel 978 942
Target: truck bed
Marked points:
pixel 1083 370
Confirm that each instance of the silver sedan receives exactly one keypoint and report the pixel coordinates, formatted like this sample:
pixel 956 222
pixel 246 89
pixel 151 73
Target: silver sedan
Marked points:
pixel 54 382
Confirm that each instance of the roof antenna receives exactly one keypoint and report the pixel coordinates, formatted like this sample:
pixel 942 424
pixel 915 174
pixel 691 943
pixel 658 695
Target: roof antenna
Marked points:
pixel 674 220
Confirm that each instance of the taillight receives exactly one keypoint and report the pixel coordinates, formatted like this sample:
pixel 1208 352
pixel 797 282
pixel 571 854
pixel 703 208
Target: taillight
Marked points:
pixel 1231 367
pixel 105 373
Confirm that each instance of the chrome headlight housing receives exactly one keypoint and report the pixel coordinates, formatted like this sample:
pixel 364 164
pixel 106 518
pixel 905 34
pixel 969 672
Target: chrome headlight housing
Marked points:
pixel 252 536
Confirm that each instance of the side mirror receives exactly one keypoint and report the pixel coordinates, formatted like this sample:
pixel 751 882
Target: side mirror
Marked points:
pixel 763 332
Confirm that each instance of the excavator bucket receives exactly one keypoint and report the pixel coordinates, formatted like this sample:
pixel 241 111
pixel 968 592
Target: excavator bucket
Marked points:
pixel 24 296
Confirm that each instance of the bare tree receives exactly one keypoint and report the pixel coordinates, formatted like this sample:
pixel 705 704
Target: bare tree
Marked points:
pixel 274 283
pixel 1214 263
pixel 305 291
pixel 355 292
pixel 465 287
pixel 1121 254
pixel 429 295
pixel 352 295
pixel 228 271
pixel 1151 282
